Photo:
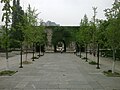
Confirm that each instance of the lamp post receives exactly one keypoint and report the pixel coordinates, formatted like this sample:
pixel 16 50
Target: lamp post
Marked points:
pixel 98 67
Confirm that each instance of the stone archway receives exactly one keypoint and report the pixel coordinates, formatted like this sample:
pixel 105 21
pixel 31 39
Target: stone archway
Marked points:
pixel 62 34
pixel 60 44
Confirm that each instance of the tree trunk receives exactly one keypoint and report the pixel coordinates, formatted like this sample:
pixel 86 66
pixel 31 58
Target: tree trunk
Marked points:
pixel 113 65
pixel 55 48
pixel 33 52
pixel 6 46
pixel 7 62
pixel 80 51
pixel 39 49
pixel 26 52
pixel 98 57
pixel 21 57
pixel 86 54
pixel 90 50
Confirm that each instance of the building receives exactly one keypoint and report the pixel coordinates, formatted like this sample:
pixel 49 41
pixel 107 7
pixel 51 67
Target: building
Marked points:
pixel 49 33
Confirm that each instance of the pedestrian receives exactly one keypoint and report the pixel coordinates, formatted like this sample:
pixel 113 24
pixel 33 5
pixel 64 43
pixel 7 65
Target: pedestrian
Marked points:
pixel 61 50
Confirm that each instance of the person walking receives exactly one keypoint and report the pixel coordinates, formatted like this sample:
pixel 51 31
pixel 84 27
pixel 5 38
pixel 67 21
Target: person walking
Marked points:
pixel 61 50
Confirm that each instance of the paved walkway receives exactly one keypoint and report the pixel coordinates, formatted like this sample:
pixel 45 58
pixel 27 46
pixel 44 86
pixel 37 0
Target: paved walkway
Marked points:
pixel 105 62
pixel 59 72
pixel 14 59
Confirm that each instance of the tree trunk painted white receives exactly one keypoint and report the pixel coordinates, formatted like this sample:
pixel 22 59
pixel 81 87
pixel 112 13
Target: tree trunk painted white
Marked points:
pixel 7 64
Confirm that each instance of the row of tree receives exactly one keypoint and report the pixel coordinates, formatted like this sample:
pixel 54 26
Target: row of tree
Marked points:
pixel 104 33
pixel 20 28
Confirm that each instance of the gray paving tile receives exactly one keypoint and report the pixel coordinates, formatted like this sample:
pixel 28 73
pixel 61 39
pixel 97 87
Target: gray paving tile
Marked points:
pixel 59 72
pixel 95 85
pixel 57 89
pixel 21 84
pixel 78 82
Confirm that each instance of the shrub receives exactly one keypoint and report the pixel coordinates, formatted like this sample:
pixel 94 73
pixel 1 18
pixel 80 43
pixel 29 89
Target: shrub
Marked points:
pixel 27 62
pixel 110 74
pixel 93 63
pixel 7 73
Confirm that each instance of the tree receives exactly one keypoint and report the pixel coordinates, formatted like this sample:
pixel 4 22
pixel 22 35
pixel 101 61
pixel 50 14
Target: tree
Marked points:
pixel 94 30
pixel 113 29
pixel 79 40
pixel 6 18
pixel 85 32
pixel 16 34
pixel 40 37
pixel 100 37
pixel 32 22
pixel 101 33
pixel 27 33
pixel 17 23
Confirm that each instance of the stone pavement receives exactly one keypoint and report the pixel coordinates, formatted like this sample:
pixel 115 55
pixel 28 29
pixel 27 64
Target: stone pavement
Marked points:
pixel 14 59
pixel 105 62
pixel 57 71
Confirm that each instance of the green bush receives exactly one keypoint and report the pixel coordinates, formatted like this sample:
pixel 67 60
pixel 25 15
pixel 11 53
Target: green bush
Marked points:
pixel 27 62
pixel 110 74
pixel 7 73
pixel 93 63
pixel 106 53
pixel 109 53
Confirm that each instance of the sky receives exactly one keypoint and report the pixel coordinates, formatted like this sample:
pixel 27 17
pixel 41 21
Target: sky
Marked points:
pixel 66 12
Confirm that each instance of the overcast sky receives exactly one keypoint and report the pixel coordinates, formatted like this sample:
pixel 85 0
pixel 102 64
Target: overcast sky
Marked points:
pixel 66 12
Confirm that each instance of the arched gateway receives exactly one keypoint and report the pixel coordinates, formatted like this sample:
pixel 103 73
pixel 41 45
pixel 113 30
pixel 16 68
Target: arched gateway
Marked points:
pixel 60 37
